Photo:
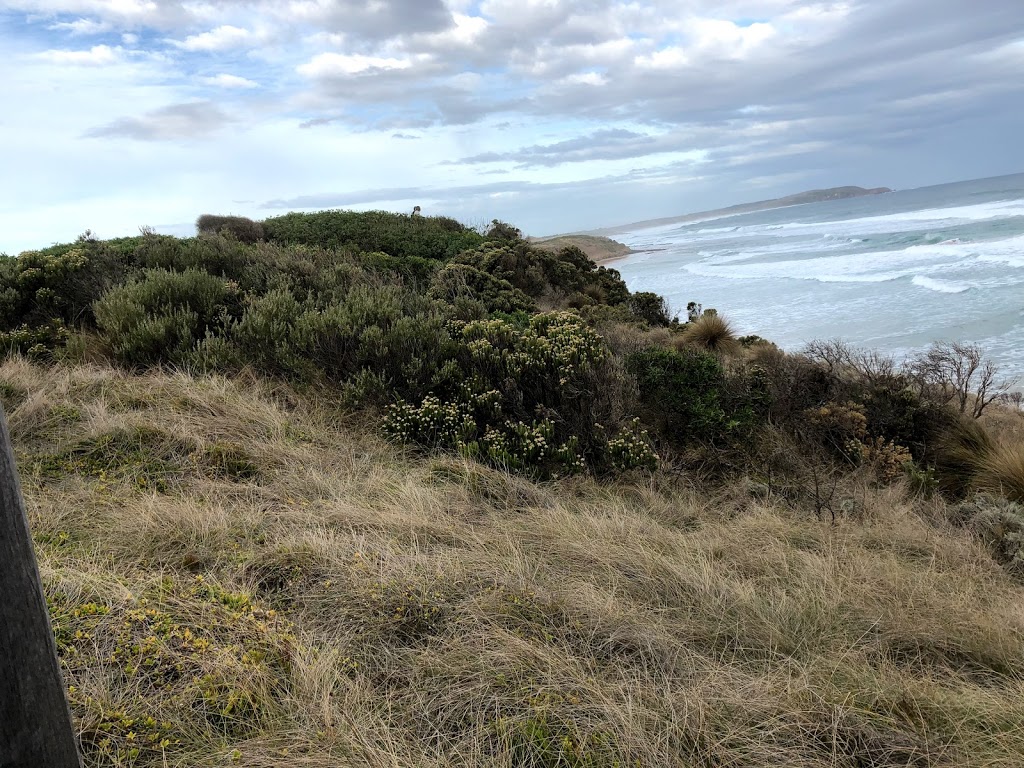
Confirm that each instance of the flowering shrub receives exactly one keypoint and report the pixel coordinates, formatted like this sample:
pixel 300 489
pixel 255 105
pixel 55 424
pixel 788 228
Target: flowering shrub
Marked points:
pixel 888 460
pixel 631 449
pixel 519 398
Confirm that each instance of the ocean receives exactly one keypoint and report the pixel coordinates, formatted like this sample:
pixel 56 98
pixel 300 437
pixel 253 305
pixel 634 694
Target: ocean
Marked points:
pixel 891 272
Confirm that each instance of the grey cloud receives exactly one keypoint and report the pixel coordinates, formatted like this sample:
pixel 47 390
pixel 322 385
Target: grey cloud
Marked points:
pixel 316 122
pixel 612 143
pixel 177 121
pixel 385 19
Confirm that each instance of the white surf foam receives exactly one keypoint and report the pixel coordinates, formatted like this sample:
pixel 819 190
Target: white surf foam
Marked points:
pixel 942 286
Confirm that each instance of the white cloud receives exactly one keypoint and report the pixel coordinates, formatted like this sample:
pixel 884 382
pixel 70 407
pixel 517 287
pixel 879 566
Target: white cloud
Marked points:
pixel 585 78
pixel 331 65
pixel 672 57
pixel 82 27
pixel 230 81
pixel 727 39
pixel 98 55
pixel 220 39
pixel 466 32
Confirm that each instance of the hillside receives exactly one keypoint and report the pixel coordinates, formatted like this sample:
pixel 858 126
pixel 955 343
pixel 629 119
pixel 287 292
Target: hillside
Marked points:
pixel 599 249
pixel 379 490
pixel 801 198
pixel 234 579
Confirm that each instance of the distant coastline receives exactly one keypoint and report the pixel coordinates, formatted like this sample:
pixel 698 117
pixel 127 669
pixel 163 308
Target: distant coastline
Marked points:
pixel 601 250
pixel 801 198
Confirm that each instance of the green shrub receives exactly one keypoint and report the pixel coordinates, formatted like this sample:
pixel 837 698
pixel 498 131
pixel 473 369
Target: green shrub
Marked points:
pixel 649 308
pixel 426 237
pixel 499 230
pixel 1000 524
pixel 539 272
pixel 161 316
pixel 524 398
pixel 242 229
pixel 58 284
pixel 631 449
pixel 266 336
pixel 682 393
pixel 462 281
pixel 37 343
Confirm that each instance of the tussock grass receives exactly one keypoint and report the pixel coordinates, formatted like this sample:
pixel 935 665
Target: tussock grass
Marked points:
pixel 1001 471
pixel 341 602
pixel 711 332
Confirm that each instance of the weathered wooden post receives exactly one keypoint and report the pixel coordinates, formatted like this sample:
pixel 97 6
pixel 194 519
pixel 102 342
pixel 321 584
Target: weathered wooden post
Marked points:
pixel 35 722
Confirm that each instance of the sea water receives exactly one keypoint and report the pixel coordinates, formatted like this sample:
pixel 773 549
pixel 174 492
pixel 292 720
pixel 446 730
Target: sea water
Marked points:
pixel 892 272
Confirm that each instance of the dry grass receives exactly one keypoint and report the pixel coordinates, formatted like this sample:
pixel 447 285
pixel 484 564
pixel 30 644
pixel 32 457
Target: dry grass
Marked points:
pixel 340 602
pixel 1001 471
pixel 712 333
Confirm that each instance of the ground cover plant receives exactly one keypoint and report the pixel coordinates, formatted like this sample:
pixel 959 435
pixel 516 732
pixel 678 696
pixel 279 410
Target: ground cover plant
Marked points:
pixel 305 496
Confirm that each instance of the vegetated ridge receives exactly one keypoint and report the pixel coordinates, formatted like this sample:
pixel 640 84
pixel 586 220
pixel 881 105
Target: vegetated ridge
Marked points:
pixel 801 198
pixel 378 490
pixel 598 249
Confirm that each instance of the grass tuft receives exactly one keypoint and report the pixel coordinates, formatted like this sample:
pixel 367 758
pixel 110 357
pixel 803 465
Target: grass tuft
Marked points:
pixel 712 333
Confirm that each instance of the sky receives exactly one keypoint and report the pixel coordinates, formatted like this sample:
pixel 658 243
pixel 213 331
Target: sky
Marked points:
pixel 554 115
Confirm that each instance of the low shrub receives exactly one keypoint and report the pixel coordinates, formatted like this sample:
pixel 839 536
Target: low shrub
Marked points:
pixel 650 308
pixel 465 282
pixel 239 227
pixel 161 316
pixel 681 393
pixel 1000 524
pixel 426 237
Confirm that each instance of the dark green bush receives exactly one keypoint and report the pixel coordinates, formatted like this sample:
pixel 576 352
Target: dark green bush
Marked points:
pixel 399 236
pixel 462 281
pixel 538 272
pixel 239 227
pixel 650 308
pixel 58 284
pixel 531 398
pixel 37 342
pixel 500 230
pixel 682 393
pixel 161 316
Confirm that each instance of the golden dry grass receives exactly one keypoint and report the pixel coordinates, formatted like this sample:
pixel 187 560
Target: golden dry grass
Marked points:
pixel 321 598
pixel 712 333
pixel 1001 471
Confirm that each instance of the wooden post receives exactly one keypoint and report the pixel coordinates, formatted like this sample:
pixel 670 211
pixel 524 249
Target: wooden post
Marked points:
pixel 35 722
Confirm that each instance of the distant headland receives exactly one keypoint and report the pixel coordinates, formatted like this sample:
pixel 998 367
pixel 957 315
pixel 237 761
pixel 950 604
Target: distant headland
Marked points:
pixel 800 198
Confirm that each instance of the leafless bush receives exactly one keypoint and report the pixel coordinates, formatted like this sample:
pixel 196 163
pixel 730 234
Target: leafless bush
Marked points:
pixel 838 357
pixel 1013 400
pixel 955 372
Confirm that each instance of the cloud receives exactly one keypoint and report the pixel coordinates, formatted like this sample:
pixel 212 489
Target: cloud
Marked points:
pixel 177 121
pixel 375 20
pixel 230 81
pixel 606 144
pixel 781 91
pixel 336 65
pixel 220 39
pixel 82 27
pixel 98 55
